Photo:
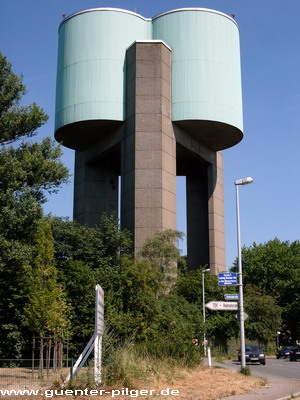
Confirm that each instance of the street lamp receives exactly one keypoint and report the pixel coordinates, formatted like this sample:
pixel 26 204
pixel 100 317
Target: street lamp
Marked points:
pixel 238 183
pixel 203 307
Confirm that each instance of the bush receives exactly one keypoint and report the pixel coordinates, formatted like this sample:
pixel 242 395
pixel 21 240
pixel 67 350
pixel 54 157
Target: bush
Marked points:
pixel 171 334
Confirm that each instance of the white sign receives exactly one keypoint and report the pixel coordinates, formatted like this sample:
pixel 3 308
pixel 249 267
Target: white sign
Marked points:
pixel 222 305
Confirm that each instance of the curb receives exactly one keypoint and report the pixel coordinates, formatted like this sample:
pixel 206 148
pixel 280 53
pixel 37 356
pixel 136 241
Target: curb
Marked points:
pixel 291 396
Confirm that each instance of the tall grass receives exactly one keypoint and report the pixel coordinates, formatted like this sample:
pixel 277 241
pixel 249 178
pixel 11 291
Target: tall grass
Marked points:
pixel 128 364
pixel 131 363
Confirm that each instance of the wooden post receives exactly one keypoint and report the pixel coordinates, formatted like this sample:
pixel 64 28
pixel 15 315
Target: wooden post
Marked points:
pixel 41 358
pixel 55 355
pixel 67 354
pixel 33 351
pixel 48 354
pixel 61 354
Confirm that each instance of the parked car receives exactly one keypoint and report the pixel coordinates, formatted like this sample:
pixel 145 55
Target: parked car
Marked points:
pixel 253 353
pixel 284 352
pixel 295 353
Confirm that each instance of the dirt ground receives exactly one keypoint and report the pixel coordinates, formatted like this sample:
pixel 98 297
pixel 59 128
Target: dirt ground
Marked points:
pixel 202 383
pixel 214 383
pixel 206 383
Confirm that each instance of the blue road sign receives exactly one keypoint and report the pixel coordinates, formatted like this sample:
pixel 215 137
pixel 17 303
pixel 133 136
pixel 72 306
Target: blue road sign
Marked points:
pixel 231 296
pixel 227 279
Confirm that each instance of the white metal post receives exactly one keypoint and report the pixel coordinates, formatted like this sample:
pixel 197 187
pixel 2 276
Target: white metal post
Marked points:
pixel 203 309
pixel 99 327
pixel 209 356
pixel 241 292
pixel 97 359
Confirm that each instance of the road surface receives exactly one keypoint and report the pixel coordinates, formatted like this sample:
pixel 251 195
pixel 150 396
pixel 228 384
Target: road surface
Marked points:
pixel 283 368
pixel 283 377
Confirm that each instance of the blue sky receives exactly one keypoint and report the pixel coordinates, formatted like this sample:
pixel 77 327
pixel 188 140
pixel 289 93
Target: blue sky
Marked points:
pixel 270 57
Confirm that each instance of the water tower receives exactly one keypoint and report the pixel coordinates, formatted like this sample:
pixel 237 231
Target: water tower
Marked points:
pixel 149 99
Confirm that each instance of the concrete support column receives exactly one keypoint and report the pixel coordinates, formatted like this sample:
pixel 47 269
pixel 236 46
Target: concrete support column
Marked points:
pixel 216 216
pixel 197 219
pixel 148 203
pixel 95 190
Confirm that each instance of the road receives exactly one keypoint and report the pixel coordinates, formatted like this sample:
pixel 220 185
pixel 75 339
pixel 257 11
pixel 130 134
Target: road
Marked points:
pixel 283 368
pixel 283 379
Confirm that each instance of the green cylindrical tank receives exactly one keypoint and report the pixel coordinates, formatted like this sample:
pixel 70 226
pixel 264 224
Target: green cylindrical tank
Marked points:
pixel 90 94
pixel 206 74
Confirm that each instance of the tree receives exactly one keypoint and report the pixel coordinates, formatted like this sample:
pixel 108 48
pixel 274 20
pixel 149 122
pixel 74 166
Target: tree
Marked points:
pixel 87 256
pixel 162 252
pixel 274 268
pixel 27 171
pixel 162 249
pixel 219 326
pixel 99 247
pixel 79 281
pixel 173 329
pixel 46 311
pixel 264 316
pixel 16 121
pixel 116 241
pixel 134 290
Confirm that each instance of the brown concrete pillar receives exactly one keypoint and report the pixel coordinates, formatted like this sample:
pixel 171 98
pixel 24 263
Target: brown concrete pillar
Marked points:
pixel 197 218
pixel 148 202
pixel 95 190
pixel 216 216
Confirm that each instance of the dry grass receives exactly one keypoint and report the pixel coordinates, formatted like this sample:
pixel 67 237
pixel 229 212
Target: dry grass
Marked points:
pixel 204 383
pixel 201 383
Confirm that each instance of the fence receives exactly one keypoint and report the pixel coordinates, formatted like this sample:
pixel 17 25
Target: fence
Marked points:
pixel 30 374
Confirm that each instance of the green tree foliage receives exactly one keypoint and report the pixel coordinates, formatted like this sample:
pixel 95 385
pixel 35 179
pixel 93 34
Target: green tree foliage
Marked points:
pixel 79 281
pixel 46 311
pixel 131 298
pixel 98 247
pixel 172 332
pixel 116 241
pixel 162 252
pixel 27 171
pixel 16 121
pixel 220 326
pixel 161 326
pixel 264 315
pixel 162 249
pixel 133 309
pixel 274 268
pixel 84 257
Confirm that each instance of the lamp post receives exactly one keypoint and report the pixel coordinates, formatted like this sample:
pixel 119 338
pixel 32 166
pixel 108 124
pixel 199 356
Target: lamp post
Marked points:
pixel 238 183
pixel 203 307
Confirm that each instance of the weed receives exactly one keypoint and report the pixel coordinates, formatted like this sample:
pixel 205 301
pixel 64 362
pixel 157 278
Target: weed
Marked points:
pixel 245 371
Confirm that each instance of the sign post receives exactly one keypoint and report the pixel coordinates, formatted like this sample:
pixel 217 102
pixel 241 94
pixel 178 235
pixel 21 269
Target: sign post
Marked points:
pixel 99 329
pixel 95 342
